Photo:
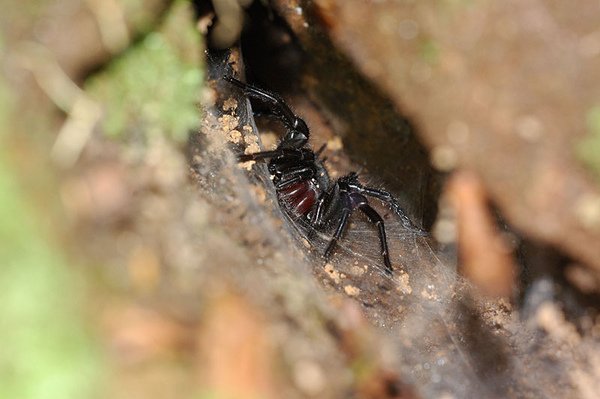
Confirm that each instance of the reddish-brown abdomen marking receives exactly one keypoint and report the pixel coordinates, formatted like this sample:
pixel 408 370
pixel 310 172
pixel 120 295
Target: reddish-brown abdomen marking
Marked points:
pixel 299 197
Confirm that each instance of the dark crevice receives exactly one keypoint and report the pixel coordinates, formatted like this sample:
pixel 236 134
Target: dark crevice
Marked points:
pixel 373 132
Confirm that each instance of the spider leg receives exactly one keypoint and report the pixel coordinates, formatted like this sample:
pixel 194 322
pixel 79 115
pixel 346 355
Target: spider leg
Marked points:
pixel 320 150
pixel 276 104
pixel 389 199
pixel 338 231
pixel 317 215
pixel 323 205
pixel 259 156
pixel 295 176
pixel 376 219
pixel 293 154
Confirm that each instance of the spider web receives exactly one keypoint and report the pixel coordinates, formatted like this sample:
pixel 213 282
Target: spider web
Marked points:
pixel 432 313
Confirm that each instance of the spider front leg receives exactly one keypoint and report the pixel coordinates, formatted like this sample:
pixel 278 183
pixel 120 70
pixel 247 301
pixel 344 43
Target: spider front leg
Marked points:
pixel 298 131
pixel 277 153
pixel 276 104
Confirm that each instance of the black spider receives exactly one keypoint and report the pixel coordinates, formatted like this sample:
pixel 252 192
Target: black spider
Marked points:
pixel 303 185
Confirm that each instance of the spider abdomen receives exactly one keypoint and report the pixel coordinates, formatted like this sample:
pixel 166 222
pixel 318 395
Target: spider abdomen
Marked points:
pixel 299 197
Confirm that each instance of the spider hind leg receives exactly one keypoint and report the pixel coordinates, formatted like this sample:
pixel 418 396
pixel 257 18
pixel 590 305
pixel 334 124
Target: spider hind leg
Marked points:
pixel 354 200
pixel 377 220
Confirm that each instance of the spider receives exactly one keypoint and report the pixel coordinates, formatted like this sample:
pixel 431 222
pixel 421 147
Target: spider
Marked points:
pixel 303 185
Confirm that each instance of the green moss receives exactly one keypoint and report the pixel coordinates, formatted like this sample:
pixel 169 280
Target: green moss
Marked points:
pixel 154 87
pixel 588 149
pixel 46 352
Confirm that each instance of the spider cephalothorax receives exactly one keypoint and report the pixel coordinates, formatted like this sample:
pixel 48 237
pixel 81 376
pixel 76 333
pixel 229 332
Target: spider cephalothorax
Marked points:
pixel 303 185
